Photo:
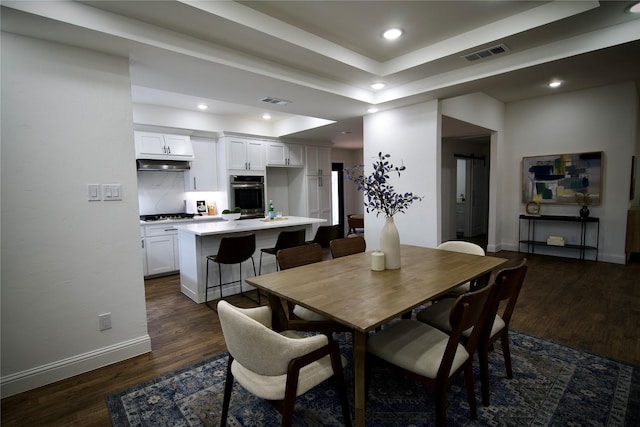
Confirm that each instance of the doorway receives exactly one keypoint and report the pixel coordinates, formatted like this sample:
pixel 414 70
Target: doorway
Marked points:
pixel 472 192
pixel 337 195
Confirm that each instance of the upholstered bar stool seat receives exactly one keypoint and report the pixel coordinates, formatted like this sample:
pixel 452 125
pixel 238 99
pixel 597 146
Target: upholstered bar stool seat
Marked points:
pixel 232 250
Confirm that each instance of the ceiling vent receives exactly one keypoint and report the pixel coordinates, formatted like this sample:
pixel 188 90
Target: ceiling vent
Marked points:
pixel 486 53
pixel 272 100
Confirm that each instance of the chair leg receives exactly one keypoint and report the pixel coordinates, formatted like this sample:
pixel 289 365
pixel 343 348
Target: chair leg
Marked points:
pixel 504 339
pixel 471 391
pixel 260 268
pixel 441 403
pixel 483 355
pixel 254 273
pixel 206 287
pixel 336 364
pixel 228 386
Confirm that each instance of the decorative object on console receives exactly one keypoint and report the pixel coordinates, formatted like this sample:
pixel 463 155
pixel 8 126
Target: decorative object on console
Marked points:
pixel 382 198
pixel 555 179
pixel 533 208
pixel 584 200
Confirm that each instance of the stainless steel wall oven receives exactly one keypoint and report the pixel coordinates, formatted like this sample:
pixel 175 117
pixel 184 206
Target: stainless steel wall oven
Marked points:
pixel 247 193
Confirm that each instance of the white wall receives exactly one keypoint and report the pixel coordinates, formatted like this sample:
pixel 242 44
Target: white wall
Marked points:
pixel 412 136
pixel 599 119
pixel 66 123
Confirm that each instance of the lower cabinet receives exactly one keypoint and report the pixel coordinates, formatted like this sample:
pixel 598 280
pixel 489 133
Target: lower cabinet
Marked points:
pixel 162 254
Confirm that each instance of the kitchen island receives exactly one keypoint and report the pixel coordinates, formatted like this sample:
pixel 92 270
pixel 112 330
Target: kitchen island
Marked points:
pixel 199 240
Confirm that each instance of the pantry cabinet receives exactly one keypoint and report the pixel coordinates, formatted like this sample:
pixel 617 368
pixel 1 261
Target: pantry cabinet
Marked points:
pixel 158 146
pixel 318 161
pixel 203 173
pixel 318 178
pixel 281 154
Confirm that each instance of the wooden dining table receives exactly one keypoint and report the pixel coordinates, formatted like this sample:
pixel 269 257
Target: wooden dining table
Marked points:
pixel 347 291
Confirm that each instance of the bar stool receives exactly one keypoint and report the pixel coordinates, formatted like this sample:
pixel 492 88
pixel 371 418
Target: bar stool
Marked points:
pixel 286 239
pixel 232 250
pixel 325 234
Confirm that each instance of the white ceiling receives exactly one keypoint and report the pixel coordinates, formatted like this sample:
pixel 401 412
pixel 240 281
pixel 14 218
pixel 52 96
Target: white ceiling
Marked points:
pixel 323 55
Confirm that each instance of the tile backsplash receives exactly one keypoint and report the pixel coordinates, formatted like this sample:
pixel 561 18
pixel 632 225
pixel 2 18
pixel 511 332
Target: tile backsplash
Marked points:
pixel 163 192
pixel 160 192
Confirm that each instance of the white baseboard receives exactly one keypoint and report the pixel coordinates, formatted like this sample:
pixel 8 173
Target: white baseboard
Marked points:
pixel 79 364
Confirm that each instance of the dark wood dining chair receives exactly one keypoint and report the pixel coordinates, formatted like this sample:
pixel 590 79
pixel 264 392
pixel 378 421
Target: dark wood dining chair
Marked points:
pixel 426 354
pixel 286 239
pixel 347 246
pixel 356 223
pixel 508 284
pixel 299 317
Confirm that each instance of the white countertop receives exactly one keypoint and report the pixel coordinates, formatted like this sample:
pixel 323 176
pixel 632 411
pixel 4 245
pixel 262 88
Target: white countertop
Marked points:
pixel 223 227
pixel 195 219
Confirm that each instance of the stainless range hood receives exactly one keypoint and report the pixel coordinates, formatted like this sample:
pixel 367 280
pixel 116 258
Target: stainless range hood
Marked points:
pixel 163 165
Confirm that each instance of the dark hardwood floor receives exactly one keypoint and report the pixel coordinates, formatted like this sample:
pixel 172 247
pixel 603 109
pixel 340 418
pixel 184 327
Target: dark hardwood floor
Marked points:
pixel 589 305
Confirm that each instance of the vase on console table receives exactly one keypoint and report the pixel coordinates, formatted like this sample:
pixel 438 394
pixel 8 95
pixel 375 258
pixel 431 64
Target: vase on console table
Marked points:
pixel 390 244
pixel 584 212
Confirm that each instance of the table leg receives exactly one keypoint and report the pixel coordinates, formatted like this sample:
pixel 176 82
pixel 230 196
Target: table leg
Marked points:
pixel 359 353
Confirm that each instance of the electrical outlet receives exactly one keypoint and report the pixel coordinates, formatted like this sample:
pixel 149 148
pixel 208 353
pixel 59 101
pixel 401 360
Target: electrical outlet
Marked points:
pixel 105 321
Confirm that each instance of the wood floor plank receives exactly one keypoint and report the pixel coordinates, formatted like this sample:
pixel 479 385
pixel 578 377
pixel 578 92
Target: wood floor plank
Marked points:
pixel 589 305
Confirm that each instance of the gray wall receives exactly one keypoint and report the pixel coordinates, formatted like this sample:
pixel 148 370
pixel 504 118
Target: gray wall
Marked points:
pixel 66 123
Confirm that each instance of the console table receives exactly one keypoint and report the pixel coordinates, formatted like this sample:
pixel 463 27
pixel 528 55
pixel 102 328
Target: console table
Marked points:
pixel 582 247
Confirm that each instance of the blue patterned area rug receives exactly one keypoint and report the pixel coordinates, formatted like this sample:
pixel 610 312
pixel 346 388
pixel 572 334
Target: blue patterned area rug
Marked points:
pixel 552 385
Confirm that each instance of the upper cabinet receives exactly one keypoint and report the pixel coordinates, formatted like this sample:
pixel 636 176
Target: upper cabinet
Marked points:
pixel 203 173
pixel 245 154
pixel 281 154
pixel 318 161
pixel 158 146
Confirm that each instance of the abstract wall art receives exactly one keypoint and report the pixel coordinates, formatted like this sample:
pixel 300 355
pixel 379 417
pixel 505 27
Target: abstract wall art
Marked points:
pixel 556 178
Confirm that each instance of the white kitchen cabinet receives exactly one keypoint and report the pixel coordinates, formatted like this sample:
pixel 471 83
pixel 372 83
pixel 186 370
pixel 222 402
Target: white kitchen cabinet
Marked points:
pixel 245 154
pixel 319 197
pixel 281 154
pixel 318 161
pixel 203 173
pixel 161 249
pixel 158 146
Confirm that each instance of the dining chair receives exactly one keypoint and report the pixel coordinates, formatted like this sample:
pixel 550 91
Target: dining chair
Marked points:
pixel 274 366
pixel 508 284
pixel 462 247
pixel 425 353
pixel 312 321
pixel 347 246
pixel 286 239
pixel 356 224
pixel 232 250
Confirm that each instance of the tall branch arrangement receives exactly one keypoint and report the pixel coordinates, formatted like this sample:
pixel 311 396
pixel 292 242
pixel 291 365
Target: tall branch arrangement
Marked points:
pixel 381 197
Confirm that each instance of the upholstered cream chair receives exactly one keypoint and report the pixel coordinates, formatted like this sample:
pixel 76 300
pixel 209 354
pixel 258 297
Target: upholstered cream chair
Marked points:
pixel 466 248
pixel 276 366
pixel 426 354
pixel 508 284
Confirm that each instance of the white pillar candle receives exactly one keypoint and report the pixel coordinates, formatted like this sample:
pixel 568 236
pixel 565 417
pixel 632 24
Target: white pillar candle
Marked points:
pixel 377 260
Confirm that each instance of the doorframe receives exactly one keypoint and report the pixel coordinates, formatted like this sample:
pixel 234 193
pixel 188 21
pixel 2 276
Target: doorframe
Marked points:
pixel 339 167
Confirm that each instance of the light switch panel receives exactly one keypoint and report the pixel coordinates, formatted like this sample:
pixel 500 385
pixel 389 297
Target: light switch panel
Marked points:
pixel 111 192
pixel 93 192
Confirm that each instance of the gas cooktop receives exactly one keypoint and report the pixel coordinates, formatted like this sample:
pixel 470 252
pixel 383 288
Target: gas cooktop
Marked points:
pixel 160 217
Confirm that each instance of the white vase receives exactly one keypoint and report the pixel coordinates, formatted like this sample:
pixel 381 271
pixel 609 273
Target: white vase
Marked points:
pixel 390 244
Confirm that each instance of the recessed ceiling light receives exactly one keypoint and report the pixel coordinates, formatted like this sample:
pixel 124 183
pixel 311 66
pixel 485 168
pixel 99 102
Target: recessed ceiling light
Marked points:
pixel 203 106
pixel 392 33
pixel 378 85
pixel 266 116
pixel 554 84
pixel 372 110
pixel 635 8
